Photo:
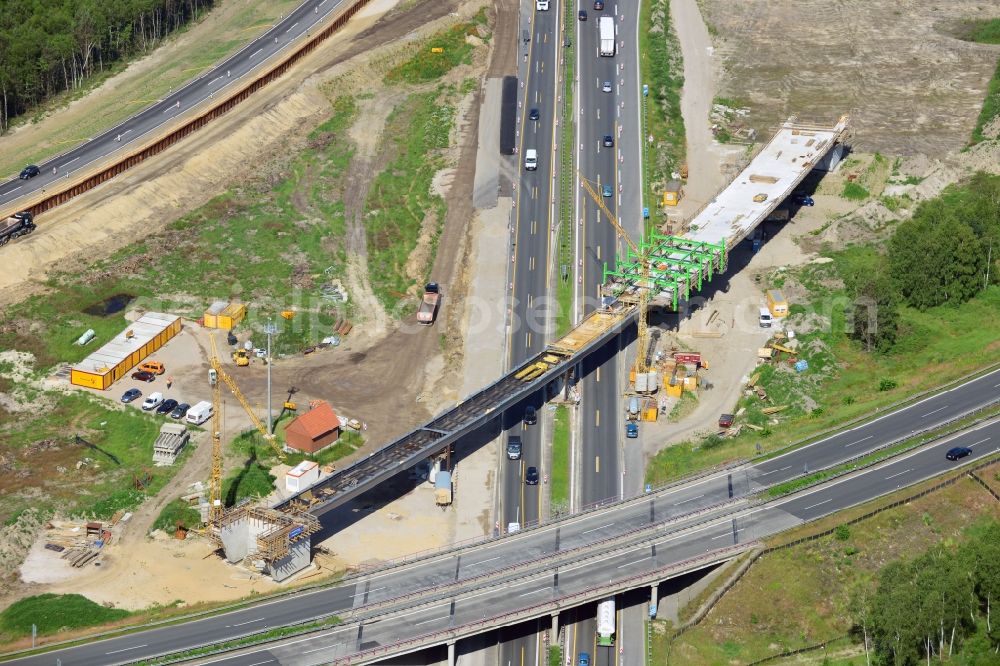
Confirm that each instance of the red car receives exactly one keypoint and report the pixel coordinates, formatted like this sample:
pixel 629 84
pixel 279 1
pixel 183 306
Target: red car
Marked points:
pixel 725 420
pixel 143 376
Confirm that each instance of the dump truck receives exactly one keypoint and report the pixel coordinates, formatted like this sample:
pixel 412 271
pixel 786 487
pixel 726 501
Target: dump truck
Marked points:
pixel 427 311
pixel 442 488
pixel 607 28
pixel 15 226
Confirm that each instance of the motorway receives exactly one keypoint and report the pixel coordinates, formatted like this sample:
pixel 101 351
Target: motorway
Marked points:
pixel 646 532
pixel 534 216
pixel 219 79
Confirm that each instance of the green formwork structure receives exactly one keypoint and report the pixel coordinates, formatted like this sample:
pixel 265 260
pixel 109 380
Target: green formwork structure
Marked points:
pixel 675 264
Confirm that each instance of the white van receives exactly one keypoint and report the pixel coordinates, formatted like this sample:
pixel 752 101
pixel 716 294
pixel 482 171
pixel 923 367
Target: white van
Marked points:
pixel 200 413
pixel 152 401
pixel 765 318
pixel 530 159
pixel 542 5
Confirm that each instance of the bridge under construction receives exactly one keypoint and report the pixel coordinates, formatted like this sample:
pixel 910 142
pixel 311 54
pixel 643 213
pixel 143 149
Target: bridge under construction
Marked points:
pixel 667 268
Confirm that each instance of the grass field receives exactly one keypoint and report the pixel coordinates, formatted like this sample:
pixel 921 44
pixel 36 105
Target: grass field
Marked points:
pixel 843 382
pixel 53 612
pixel 45 440
pixel 434 57
pixel 802 595
pixel 177 514
pixel 173 67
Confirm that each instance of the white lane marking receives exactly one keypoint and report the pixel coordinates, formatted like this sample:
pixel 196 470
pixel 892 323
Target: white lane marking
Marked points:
pixel 864 439
pixel 766 473
pixel 214 80
pixel 290 27
pixel 476 564
pixel 70 162
pixel 724 535
pixel 433 619
pixel 782 469
pixel 134 647
pixel 361 594
pixel 628 564
pixel 979 442
pixel 934 412
pixel 260 619
pixel 544 589
pixel 258 663
pixel 813 506
pixel 325 647
pixel 910 469
pixel 690 499
pixel 597 528
pixel 20 186
pixel 256 52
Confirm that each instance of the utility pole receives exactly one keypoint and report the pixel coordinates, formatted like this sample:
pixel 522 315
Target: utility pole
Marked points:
pixel 270 329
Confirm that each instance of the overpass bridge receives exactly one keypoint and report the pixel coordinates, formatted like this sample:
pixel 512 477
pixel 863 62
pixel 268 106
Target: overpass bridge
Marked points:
pixel 677 266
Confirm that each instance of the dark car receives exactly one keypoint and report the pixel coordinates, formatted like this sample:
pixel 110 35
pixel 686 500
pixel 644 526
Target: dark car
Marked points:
pixel 533 114
pixel 143 376
pixel 803 200
pixel 958 452
pixel 180 411
pixel 631 430
pixel 582 15
pixel 167 406
pixel 598 5
pixel 29 171
pixel 530 415
pixel 583 660
pixel 131 394
pixel 607 191
pixel 609 140
pixel 725 420
pixel 531 476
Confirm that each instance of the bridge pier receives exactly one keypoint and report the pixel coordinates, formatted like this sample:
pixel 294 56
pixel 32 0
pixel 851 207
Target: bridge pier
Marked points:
pixel 451 653
pixel 555 629
pixel 654 599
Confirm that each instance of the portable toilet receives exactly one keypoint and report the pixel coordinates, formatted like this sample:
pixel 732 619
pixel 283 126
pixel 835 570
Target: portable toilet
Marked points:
pixel 776 303
pixel 672 193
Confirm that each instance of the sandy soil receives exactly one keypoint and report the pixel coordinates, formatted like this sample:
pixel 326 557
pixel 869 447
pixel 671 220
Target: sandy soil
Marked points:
pixel 892 65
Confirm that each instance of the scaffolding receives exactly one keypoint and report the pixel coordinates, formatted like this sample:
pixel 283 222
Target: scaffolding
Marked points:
pixel 276 531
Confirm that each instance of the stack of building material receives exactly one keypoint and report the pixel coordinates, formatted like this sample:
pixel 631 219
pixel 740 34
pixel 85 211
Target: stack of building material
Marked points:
pixel 169 443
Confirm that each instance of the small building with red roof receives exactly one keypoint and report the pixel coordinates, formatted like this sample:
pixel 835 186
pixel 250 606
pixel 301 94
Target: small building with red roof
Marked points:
pixel 313 431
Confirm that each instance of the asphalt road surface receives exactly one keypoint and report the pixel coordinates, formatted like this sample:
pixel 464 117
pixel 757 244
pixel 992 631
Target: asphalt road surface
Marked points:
pixel 734 523
pixel 291 31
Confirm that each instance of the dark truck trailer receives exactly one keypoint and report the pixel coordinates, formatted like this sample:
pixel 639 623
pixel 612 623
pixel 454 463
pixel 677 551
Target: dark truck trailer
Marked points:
pixel 508 116
pixel 18 224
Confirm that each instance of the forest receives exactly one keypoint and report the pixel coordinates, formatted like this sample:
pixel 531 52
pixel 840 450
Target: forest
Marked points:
pixel 49 47
pixel 938 606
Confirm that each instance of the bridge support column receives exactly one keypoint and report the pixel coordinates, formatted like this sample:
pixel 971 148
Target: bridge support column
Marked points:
pixel 554 638
pixel 654 599
pixel 451 653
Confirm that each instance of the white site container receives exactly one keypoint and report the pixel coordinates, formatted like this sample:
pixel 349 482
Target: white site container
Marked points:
pixel 301 476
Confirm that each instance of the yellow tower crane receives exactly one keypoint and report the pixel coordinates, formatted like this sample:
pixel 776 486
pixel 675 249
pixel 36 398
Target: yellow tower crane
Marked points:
pixel 642 336
pixel 216 489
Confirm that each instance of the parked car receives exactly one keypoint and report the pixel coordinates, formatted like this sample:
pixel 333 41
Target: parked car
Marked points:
pixel 514 447
pixel 726 420
pixel 582 15
pixel 583 659
pixel 803 200
pixel 606 86
pixel 30 171
pixel 180 411
pixel 609 141
pixel 607 191
pixel 152 367
pixel 130 395
pixel 143 376
pixel 533 114
pixel 530 415
pixel 631 430
pixel 531 476
pixel 152 401
pixel 958 452
pixel 166 406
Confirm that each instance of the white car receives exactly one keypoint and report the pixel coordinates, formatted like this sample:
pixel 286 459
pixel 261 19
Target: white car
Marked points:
pixel 606 87
pixel 152 401
pixel 542 5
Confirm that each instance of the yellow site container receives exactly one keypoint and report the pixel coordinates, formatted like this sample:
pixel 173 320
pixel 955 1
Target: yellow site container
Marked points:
pixel 125 351
pixel 776 303
pixel 673 193
pixel 691 382
pixel 650 414
pixel 225 315
pixel 675 390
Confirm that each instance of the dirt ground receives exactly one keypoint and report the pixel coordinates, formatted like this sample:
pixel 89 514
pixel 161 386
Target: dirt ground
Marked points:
pixel 908 85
